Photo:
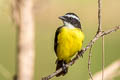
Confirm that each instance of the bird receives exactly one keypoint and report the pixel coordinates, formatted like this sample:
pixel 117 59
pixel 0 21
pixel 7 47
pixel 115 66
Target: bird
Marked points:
pixel 68 41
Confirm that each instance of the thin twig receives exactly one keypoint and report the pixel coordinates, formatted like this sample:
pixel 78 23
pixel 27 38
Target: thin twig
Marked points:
pixel 99 16
pixel 89 62
pixel 83 50
pixel 99 30
pixel 103 58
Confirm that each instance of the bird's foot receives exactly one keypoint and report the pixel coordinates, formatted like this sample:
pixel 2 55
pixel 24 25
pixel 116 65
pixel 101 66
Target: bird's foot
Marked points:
pixel 80 54
pixel 64 68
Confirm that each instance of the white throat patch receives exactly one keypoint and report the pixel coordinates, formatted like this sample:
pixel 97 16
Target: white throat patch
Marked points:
pixel 68 25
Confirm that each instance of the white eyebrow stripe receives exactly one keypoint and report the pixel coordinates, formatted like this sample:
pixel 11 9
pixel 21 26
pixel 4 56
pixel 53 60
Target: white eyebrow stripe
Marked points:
pixel 73 16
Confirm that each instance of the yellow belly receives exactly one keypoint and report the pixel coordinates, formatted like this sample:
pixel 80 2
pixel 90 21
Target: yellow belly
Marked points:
pixel 69 43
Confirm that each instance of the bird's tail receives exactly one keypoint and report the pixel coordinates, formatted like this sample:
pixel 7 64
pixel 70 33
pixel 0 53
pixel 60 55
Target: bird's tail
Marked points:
pixel 61 64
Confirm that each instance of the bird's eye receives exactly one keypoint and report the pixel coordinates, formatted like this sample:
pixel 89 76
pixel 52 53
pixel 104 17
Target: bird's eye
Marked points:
pixel 70 18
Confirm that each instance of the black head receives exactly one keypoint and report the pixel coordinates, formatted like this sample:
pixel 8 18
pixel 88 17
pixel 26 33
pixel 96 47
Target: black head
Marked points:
pixel 72 19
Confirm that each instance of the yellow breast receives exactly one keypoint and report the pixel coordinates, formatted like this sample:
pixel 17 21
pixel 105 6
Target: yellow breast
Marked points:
pixel 69 42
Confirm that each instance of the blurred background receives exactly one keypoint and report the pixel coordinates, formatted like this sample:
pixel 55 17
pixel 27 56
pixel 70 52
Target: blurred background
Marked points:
pixel 46 22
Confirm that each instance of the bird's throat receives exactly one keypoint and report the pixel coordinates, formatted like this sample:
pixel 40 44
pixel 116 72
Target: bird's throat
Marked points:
pixel 69 25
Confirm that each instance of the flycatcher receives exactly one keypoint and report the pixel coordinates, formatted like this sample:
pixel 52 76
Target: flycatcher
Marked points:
pixel 68 40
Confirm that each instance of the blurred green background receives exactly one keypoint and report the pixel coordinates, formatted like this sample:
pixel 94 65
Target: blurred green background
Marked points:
pixel 46 22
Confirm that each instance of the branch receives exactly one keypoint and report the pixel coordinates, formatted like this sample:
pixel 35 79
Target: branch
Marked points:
pixel 110 72
pixel 99 16
pixel 89 62
pixel 97 36
pixel 23 16
pixel 103 61
pixel 99 30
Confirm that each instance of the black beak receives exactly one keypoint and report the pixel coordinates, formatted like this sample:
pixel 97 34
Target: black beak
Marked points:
pixel 62 18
